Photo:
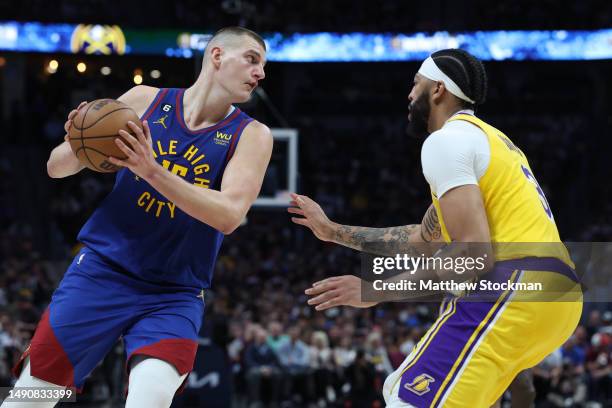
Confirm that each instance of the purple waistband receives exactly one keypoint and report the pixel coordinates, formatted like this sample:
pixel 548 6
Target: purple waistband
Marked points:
pixel 540 264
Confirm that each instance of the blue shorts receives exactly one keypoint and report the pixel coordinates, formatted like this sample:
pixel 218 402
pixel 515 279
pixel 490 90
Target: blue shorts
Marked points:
pixel 95 305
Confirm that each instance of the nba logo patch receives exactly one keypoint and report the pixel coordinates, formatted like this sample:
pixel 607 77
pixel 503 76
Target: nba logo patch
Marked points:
pixel 420 384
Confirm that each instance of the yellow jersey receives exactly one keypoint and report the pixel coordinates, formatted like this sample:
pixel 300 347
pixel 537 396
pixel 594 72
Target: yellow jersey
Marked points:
pixel 521 222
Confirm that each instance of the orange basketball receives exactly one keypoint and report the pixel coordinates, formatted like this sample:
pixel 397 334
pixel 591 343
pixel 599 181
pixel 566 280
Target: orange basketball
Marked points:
pixel 94 130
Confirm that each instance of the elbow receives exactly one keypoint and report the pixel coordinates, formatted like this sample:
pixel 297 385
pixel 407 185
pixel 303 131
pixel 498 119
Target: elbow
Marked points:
pixel 228 216
pixel 479 249
pixel 51 170
pixel 227 228
pixel 483 252
pixel 230 223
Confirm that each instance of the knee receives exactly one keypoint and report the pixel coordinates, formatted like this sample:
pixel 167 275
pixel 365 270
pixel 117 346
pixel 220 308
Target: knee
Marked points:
pixel 162 397
pixel 153 383
pixel 159 396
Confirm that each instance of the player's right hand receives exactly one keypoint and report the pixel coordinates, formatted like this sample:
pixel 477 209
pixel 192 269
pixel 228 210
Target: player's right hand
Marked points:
pixel 337 291
pixel 71 116
pixel 313 216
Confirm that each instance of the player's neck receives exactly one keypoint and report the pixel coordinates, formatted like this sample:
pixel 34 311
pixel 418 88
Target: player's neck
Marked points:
pixel 440 115
pixel 203 106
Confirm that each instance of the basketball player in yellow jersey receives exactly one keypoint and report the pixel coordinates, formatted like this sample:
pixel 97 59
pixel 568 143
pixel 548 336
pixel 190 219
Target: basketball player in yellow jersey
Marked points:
pixel 483 191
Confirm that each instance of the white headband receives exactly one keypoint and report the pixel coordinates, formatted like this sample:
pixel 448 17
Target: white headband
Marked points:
pixel 430 70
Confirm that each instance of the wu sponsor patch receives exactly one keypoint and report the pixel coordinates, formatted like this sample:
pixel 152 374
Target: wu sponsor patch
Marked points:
pixel 223 139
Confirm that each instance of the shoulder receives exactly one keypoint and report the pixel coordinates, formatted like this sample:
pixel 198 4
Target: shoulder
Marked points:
pixel 257 132
pixel 140 91
pixel 139 98
pixel 255 144
pixel 257 128
pixel 456 138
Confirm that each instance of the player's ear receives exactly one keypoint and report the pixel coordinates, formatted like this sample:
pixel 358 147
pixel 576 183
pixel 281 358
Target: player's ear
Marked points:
pixel 215 56
pixel 437 91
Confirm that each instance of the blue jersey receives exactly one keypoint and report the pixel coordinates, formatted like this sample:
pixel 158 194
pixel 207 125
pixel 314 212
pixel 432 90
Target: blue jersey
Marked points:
pixel 140 230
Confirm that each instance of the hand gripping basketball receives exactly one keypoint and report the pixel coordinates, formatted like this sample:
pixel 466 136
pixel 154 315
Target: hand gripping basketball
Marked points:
pixel 138 150
pixel 92 131
pixel 71 116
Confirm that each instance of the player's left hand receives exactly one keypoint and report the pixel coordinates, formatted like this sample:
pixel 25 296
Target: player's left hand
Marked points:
pixel 139 150
pixel 313 216
pixel 337 291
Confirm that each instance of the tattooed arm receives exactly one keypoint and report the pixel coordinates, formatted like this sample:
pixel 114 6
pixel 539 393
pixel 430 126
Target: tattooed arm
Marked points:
pixel 467 225
pixel 415 239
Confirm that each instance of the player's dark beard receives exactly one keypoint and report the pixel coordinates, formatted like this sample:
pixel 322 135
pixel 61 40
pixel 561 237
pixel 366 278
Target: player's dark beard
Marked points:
pixel 419 116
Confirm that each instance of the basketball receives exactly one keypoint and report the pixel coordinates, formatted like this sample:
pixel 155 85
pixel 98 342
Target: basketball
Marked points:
pixel 94 130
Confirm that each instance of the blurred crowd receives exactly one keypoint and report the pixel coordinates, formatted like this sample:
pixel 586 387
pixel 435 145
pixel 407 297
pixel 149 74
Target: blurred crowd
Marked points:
pixel 358 163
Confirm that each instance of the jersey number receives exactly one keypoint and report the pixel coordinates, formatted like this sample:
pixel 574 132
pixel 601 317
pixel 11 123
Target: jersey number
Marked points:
pixel 543 199
pixel 176 169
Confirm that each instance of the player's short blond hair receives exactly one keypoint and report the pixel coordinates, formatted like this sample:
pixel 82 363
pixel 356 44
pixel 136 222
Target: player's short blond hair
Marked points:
pixel 230 36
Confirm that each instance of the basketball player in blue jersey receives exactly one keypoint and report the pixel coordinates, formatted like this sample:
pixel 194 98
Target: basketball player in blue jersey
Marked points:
pixel 190 176
pixel 483 191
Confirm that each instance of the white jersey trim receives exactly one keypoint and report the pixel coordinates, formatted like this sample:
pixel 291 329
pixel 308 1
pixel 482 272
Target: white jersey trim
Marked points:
pixel 457 154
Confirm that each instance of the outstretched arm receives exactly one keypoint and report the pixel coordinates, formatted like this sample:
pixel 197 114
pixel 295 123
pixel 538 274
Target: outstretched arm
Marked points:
pixel 466 218
pixel 406 239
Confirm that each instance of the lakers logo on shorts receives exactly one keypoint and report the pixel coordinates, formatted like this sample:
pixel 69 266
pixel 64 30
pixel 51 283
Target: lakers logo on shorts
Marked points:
pixel 420 384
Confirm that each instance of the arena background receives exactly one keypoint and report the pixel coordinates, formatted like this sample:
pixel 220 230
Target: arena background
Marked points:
pixel 355 159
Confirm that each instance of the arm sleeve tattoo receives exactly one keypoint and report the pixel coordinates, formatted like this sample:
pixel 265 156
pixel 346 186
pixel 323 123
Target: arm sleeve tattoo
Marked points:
pixel 391 240
pixel 430 226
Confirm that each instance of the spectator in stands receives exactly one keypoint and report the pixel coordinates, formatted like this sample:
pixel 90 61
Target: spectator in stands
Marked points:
pixel 570 390
pixel 575 348
pixel 262 366
pixel 344 354
pixel 294 358
pixel 599 367
pixel 361 378
pixel 547 375
pixel 377 353
pixel 322 366
pixel 276 338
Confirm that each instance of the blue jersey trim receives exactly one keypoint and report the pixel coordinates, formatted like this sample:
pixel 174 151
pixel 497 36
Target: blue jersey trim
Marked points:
pixel 232 148
pixel 161 94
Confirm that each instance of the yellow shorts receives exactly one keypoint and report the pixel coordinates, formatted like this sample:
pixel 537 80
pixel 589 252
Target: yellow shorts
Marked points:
pixel 474 350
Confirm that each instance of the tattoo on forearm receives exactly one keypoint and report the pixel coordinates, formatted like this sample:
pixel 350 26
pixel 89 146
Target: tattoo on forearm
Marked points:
pixel 393 240
pixel 384 241
pixel 430 227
